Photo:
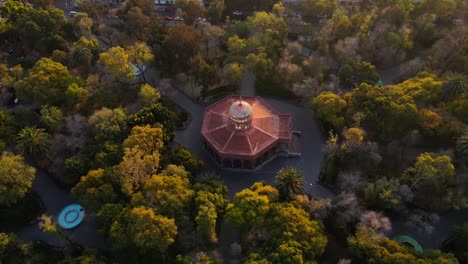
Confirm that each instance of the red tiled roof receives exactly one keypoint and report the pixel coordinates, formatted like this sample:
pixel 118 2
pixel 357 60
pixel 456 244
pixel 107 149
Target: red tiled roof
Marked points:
pixel 268 128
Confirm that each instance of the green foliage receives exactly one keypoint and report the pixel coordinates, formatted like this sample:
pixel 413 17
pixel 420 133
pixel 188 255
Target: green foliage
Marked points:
pixel 183 42
pixel 456 243
pixel 34 141
pixel 74 167
pixel 352 74
pixel 185 158
pixel 381 194
pixel 191 10
pixel 45 83
pixel 250 209
pixel 206 222
pixel 315 9
pixel 435 174
pixel 367 247
pixel 6 242
pixel 52 118
pixel 118 63
pixel 109 124
pixel 157 113
pixel 169 193
pixel 95 189
pixel 15 178
pixel 425 89
pixel 329 108
pixel 287 234
pixel 455 85
pixel 211 202
pixel 146 138
pixel 141 56
pixel 43 28
pixel 76 96
pixel 141 229
pixel 290 182
pixel 389 112
pixel 7 126
pixel 148 95
pixel 136 168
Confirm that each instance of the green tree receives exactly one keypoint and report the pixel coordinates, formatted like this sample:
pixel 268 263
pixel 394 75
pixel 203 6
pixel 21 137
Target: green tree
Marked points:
pixel 144 230
pixel 136 168
pixel 148 95
pixel 292 231
pixel 215 10
pixel 52 118
pixel 76 96
pixel 205 74
pixel 352 74
pixel 140 55
pixel 191 10
pixel 389 112
pixel 84 53
pixel 455 85
pixel 206 222
pixel 190 162
pixel 368 247
pixel 456 243
pixel 329 108
pixel 34 141
pixel 249 209
pixel 312 10
pixel 45 83
pixel 15 178
pixel 157 113
pixel 118 62
pixel 146 138
pixel 290 182
pixel 109 124
pixel 425 88
pixel 435 174
pixel 95 189
pixel 184 43
pixel 169 192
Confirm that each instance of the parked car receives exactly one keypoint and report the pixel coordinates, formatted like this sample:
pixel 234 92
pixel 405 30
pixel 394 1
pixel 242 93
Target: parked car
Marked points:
pixel 168 18
pixel 72 13
pixel 178 18
pixel 237 13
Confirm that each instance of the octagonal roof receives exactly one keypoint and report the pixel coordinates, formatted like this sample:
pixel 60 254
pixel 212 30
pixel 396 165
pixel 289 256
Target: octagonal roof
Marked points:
pixel 268 127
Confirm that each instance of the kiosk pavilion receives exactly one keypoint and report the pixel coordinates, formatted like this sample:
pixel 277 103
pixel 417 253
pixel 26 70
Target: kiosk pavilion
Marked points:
pixel 245 132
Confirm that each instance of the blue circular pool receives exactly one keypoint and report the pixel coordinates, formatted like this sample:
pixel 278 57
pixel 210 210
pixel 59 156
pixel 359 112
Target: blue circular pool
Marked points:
pixel 71 216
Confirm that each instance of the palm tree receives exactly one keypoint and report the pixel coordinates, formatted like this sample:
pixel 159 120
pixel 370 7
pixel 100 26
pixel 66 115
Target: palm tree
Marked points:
pixel 455 85
pixel 290 182
pixel 33 141
pixel 462 146
pixel 81 56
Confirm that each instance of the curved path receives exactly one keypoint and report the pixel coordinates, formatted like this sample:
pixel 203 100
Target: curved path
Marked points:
pixel 310 163
pixel 303 119
pixel 55 198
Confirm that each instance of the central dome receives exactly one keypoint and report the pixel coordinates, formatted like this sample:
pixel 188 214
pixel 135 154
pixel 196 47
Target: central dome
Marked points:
pixel 240 114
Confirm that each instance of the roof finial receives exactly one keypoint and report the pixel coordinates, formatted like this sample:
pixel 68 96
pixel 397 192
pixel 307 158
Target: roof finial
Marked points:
pixel 240 100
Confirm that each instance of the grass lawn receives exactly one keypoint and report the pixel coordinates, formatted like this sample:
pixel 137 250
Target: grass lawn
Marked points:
pixel 13 217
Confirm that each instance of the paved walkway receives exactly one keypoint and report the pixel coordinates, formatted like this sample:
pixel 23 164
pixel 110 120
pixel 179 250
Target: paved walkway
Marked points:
pixel 248 84
pixel 311 142
pixel 55 198
pixel 303 119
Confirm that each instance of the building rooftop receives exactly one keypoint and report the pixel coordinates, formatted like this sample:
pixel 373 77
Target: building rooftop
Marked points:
pixel 266 127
